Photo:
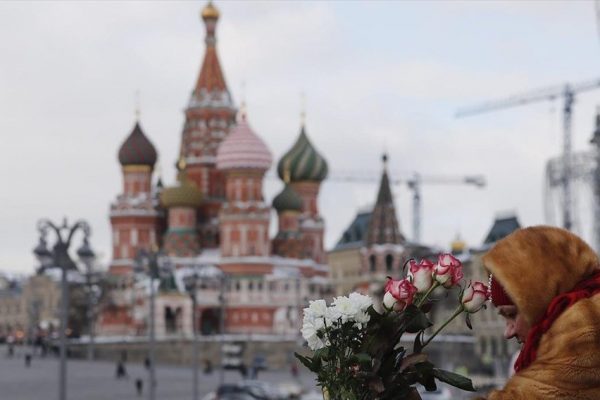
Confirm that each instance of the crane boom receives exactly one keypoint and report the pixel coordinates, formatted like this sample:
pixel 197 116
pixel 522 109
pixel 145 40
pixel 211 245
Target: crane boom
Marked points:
pixel 417 180
pixel 567 92
pixel 543 94
pixel 414 184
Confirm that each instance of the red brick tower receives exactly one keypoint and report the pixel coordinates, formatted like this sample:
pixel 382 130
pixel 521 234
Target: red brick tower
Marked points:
pixel 244 218
pixel 306 169
pixel 181 238
pixel 208 118
pixel 136 220
pixel 134 216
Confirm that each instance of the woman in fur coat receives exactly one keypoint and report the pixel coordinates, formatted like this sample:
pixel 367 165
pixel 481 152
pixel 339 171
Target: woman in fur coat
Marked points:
pixel 545 282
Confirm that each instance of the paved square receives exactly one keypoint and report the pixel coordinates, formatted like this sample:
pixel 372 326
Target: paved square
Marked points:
pixel 96 380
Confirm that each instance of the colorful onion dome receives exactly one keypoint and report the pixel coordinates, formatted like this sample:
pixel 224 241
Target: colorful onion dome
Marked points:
pixel 303 162
pixel 287 200
pixel 137 149
pixel 210 11
pixel 186 194
pixel 243 149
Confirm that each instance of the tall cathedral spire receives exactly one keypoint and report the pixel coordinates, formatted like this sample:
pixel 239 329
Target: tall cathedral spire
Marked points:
pixel 383 227
pixel 208 119
pixel 211 76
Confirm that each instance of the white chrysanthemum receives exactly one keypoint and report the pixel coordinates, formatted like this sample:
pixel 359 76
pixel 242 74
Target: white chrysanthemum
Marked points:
pixel 361 301
pixel 318 308
pixel 362 317
pixel 346 307
pixel 332 316
pixel 319 323
pixel 309 333
pixel 308 314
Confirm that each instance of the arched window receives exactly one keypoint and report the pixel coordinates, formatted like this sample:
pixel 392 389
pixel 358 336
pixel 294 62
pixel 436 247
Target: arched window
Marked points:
pixel 389 262
pixel 372 265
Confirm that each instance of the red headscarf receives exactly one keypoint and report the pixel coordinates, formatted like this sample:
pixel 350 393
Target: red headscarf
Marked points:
pixel 497 294
pixel 583 290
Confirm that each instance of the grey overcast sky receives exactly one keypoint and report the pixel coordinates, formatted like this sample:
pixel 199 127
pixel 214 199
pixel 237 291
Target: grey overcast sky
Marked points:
pixel 377 76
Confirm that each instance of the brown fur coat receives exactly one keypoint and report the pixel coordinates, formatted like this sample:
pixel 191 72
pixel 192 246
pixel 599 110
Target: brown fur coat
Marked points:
pixel 534 265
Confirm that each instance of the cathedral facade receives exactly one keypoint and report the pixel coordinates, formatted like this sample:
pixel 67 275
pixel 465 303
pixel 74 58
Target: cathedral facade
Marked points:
pixel 216 216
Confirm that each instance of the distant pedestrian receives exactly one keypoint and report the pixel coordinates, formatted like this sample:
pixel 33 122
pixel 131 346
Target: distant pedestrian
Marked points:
pixel 244 371
pixel 294 370
pixel 207 367
pixel 147 363
pixel 11 350
pixel 27 360
pixel 139 386
pixel 121 371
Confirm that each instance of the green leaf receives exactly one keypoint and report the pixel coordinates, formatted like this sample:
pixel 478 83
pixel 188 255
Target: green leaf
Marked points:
pixel 427 307
pixel 418 346
pixel 362 358
pixel 412 359
pixel 426 375
pixel 453 379
pixel 468 321
pixel 306 361
pixel 322 353
pixel 417 320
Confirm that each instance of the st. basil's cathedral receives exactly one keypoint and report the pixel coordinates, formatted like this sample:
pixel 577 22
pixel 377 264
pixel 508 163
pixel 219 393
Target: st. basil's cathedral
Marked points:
pixel 216 216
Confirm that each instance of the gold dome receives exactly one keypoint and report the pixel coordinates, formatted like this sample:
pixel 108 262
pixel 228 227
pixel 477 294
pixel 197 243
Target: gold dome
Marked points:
pixel 185 194
pixel 458 245
pixel 210 11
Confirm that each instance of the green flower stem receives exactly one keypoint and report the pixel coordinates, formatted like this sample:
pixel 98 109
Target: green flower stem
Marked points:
pixel 427 293
pixel 459 310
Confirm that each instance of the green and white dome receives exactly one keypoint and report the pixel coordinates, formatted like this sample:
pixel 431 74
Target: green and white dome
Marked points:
pixel 302 162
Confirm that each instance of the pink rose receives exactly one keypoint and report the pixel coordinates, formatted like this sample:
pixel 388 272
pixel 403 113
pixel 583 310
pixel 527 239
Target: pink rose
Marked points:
pixel 448 270
pixel 421 275
pixel 474 296
pixel 399 294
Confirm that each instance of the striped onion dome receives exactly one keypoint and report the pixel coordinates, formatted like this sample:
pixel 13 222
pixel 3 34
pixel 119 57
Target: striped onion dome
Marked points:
pixel 137 149
pixel 287 200
pixel 302 162
pixel 185 194
pixel 243 149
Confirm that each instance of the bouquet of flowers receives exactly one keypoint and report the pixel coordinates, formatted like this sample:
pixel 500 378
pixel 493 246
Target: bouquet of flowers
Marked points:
pixel 357 353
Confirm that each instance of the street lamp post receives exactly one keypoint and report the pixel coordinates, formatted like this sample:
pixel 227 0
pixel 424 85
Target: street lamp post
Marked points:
pixel 204 272
pixel 222 327
pixel 59 258
pixel 152 262
pixel 87 255
pixel 191 285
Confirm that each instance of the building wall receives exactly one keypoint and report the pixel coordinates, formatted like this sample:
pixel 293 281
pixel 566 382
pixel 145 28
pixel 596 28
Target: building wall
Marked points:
pixel 345 270
pixel 33 305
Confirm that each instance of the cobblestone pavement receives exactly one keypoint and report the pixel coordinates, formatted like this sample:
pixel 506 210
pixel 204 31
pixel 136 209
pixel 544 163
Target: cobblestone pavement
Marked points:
pixel 96 380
